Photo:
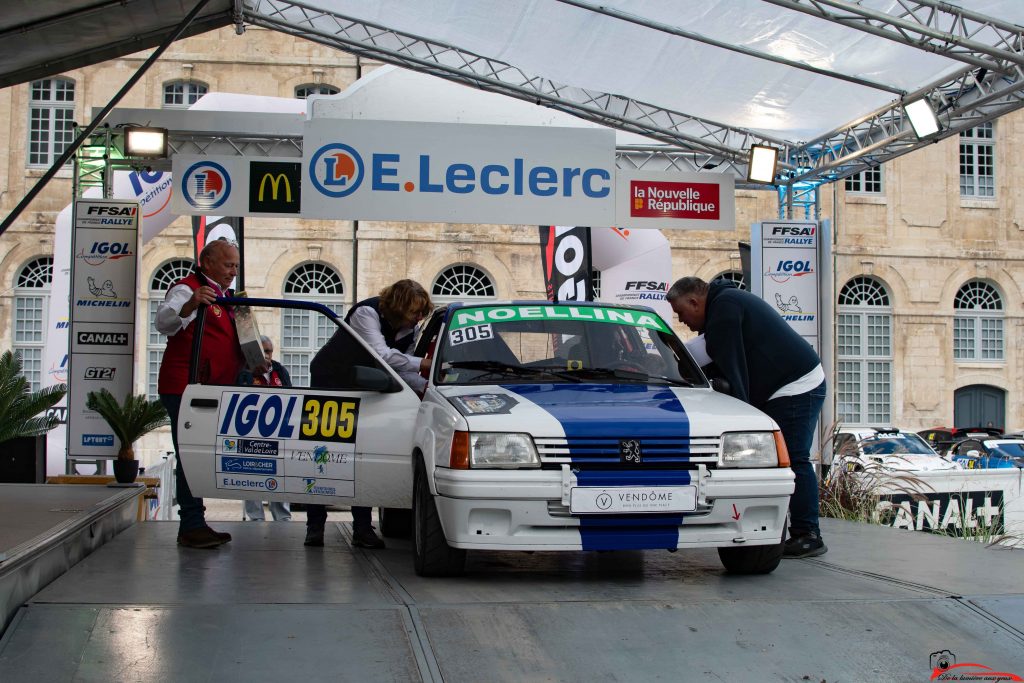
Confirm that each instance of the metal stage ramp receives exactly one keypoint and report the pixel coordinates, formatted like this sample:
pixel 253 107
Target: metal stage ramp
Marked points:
pixel 264 608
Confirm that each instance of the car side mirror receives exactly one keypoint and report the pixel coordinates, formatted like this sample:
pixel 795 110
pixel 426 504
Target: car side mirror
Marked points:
pixel 374 379
pixel 721 385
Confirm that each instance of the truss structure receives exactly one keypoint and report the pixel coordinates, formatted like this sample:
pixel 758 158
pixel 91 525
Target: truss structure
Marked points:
pixel 990 84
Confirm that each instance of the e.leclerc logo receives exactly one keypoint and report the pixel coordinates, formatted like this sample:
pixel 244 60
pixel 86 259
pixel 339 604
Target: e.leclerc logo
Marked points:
pixel 336 170
pixel 206 185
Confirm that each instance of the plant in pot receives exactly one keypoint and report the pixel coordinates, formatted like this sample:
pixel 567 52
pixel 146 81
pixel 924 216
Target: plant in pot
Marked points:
pixel 130 421
pixel 23 411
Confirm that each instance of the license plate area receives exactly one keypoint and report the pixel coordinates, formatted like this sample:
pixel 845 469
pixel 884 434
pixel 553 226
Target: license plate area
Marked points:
pixel 631 499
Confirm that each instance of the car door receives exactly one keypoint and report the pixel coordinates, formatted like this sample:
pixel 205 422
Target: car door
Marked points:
pixel 350 444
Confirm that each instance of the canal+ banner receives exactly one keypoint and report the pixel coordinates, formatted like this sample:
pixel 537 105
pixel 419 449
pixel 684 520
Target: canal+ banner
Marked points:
pixel 458 173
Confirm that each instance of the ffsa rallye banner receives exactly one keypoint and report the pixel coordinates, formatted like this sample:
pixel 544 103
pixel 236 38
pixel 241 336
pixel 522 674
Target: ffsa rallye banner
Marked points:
pixel 458 173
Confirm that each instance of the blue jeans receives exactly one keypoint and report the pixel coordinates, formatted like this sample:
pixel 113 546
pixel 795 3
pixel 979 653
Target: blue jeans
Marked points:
pixel 797 417
pixel 190 508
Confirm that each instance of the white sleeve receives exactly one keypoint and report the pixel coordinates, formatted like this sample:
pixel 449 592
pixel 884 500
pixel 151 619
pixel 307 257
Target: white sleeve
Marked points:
pixel 366 324
pixel 168 322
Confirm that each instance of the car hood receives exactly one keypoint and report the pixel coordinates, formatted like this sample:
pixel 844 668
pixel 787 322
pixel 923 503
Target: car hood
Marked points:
pixel 558 410
pixel 914 463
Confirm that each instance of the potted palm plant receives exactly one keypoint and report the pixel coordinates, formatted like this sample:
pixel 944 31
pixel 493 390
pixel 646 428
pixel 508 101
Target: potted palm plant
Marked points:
pixel 130 421
pixel 22 411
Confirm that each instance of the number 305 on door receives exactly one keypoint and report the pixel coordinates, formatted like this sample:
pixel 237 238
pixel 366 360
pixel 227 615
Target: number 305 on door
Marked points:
pixel 329 418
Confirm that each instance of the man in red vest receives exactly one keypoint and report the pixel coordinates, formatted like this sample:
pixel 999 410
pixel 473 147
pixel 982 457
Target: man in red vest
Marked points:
pixel 220 360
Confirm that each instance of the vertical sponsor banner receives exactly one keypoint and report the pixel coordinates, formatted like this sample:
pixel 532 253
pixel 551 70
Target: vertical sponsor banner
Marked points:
pixel 103 280
pixel 565 258
pixel 153 192
pixel 635 267
pixel 784 260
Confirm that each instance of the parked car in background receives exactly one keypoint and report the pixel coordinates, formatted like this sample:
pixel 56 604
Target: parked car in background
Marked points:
pixel 985 453
pixel 943 438
pixel 860 448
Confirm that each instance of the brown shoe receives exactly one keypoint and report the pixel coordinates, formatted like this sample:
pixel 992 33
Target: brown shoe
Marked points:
pixel 224 536
pixel 366 538
pixel 203 537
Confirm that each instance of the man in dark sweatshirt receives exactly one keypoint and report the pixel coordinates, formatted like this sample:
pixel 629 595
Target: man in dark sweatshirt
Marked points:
pixel 771 367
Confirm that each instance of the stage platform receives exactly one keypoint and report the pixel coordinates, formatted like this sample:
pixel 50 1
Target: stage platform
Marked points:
pixel 265 608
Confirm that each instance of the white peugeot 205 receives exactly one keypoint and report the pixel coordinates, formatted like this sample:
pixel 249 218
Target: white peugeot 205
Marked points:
pixel 543 426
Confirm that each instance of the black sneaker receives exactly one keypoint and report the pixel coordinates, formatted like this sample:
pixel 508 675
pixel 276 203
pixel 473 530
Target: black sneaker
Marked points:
pixel 807 544
pixel 314 537
pixel 203 537
pixel 366 538
pixel 224 536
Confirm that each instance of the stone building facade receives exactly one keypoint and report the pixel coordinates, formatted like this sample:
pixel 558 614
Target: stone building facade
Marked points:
pixel 928 250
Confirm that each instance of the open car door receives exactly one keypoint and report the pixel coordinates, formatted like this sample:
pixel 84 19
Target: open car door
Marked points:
pixel 345 438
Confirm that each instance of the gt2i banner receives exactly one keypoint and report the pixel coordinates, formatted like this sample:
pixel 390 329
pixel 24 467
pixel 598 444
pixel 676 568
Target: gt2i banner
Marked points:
pixel 675 201
pixel 236 186
pixel 457 173
pixel 104 260
pixel 565 259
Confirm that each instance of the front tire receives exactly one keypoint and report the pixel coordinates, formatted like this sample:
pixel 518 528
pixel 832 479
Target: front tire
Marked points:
pixel 754 559
pixel 432 556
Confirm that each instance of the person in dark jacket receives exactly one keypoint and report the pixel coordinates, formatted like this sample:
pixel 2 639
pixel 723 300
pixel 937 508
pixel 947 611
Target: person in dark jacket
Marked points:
pixel 386 323
pixel 774 369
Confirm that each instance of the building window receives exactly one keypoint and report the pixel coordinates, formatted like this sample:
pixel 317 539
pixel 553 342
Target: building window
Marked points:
pixel 304 332
pixel 595 283
pixel 31 297
pixel 183 94
pixel 304 91
pixel 864 353
pixel 51 113
pixel 461 282
pixel 978 323
pixel 978 162
pixel 733 276
pixel 164 277
pixel 868 181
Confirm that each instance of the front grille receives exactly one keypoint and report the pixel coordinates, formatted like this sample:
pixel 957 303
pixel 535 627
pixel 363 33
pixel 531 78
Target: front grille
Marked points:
pixel 656 450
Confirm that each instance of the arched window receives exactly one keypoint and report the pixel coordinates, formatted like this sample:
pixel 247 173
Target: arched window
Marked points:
pixel 734 276
pixel 304 332
pixel 304 91
pixel 183 94
pixel 461 282
pixel 864 353
pixel 978 323
pixel 51 114
pixel 163 279
pixel 31 299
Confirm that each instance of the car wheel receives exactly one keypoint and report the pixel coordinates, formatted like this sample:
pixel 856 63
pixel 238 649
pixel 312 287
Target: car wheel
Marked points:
pixel 754 559
pixel 432 556
pixel 394 522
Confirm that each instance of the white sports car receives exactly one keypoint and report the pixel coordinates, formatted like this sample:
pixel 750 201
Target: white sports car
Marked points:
pixel 543 426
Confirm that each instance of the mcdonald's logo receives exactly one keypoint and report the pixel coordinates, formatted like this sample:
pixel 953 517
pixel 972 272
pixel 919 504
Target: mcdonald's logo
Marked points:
pixel 275 187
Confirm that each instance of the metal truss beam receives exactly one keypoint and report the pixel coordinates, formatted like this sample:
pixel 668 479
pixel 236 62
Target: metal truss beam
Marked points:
pixel 990 88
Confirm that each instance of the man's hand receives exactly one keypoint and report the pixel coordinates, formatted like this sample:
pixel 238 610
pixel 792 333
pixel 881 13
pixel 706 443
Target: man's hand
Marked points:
pixel 203 296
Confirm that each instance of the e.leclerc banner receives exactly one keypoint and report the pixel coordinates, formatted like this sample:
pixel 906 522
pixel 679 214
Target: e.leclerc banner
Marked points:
pixel 458 173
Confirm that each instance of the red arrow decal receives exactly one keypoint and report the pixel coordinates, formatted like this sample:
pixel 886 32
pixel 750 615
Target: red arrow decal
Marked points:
pixel 735 512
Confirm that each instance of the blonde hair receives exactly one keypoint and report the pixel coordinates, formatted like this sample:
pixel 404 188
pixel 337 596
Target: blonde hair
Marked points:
pixel 404 299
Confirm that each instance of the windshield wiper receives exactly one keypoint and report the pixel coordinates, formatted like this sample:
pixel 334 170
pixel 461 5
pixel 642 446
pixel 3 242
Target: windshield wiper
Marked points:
pixel 639 375
pixel 497 367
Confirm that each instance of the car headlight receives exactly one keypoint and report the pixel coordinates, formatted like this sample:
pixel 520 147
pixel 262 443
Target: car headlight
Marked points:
pixel 754 449
pixel 493 449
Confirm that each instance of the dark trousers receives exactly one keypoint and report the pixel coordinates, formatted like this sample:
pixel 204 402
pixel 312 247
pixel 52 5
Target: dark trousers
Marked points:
pixel 190 509
pixel 797 417
pixel 316 517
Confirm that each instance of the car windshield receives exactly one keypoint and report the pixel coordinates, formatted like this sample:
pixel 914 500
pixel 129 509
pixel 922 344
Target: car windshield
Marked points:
pixel 558 343
pixel 1010 449
pixel 896 444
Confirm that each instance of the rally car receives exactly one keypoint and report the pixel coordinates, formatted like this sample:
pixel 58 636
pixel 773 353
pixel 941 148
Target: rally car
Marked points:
pixel 862 448
pixel 982 452
pixel 543 426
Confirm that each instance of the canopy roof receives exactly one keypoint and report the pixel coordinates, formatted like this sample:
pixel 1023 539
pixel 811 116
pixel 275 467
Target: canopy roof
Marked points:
pixel 823 80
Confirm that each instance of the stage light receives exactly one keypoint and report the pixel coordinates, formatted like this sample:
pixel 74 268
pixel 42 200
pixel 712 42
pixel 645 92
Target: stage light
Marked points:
pixel 922 118
pixel 150 143
pixel 761 164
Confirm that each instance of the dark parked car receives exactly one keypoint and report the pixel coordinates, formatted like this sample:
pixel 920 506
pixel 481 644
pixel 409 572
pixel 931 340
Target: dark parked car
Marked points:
pixel 943 438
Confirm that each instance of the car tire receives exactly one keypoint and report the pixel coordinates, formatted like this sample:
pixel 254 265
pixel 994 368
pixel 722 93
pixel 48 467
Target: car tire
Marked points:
pixel 394 522
pixel 753 559
pixel 432 556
